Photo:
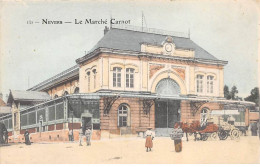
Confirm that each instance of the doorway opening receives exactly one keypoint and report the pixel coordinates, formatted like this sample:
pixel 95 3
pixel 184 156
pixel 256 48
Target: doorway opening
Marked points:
pixel 167 113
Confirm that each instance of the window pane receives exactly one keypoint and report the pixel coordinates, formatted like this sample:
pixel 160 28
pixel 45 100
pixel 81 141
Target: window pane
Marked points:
pixel 124 123
pixel 51 113
pixel 120 121
pixel 60 111
pixel 32 118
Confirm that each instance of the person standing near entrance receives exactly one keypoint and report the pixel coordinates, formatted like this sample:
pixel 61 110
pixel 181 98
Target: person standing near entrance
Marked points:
pixel 88 136
pixel 27 137
pixel 254 129
pixel 70 135
pixel 177 135
pixel 149 139
pixel 80 136
pixel 6 136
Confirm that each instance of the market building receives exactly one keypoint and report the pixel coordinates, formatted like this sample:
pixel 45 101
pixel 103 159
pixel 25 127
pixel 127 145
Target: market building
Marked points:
pixel 131 79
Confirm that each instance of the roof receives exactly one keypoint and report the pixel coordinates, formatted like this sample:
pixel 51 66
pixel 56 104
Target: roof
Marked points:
pixel 57 79
pixel 22 95
pixel 5 110
pixel 124 39
pixel 129 40
pixel 2 103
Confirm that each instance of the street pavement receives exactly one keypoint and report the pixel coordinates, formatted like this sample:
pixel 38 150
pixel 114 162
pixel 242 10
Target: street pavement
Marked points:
pixel 132 151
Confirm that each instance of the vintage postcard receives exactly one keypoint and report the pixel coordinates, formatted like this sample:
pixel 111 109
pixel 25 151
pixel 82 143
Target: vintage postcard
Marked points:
pixel 129 82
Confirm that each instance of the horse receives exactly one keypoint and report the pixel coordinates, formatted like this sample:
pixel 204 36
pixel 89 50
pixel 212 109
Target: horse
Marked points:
pixel 192 128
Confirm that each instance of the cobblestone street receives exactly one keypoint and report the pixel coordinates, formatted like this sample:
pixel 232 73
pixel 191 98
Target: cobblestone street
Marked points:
pixel 131 150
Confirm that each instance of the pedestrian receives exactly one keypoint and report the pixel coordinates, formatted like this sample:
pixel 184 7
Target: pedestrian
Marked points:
pixel 88 136
pixel 27 137
pixel 254 129
pixel 177 137
pixel 80 136
pixel 149 139
pixel 70 135
pixel 6 136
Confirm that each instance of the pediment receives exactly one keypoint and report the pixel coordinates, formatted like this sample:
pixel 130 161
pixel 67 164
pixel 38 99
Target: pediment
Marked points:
pixel 167 47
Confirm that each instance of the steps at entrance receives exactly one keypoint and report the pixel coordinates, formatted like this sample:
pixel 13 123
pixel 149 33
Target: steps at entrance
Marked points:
pixel 163 132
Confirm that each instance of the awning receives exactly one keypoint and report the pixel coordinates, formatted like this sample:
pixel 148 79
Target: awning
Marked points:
pixel 224 112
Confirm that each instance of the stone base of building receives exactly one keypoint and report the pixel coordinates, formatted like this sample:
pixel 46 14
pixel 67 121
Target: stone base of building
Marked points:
pixel 52 136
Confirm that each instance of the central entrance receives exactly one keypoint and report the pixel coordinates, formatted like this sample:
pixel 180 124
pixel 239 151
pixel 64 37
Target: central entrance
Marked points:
pixel 167 111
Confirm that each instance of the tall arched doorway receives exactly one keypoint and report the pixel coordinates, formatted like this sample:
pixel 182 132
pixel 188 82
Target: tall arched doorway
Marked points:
pixel 167 110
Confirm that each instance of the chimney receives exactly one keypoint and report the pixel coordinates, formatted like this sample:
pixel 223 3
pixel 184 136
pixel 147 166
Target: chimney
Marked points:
pixel 106 30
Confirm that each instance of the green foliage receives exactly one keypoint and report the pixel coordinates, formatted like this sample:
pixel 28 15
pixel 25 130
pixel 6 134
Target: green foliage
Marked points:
pixel 226 92
pixel 232 94
pixel 254 96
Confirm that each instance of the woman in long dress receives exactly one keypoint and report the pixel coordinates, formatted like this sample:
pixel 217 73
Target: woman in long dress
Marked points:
pixel 149 139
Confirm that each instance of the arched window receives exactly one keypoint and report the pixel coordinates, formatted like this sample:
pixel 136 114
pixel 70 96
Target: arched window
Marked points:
pixel 123 115
pixel 94 76
pixel 117 77
pixel 210 84
pixel 88 76
pixel 76 90
pixel 56 96
pixel 129 77
pixel 65 93
pixel 199 79
pixel 167 86
pixel 204 116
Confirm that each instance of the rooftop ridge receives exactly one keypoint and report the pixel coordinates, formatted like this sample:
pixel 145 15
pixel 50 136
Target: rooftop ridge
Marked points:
pixel 151 30
pixel 54 77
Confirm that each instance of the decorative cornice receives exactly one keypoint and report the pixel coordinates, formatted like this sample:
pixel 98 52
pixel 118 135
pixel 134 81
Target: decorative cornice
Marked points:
pixel 150 55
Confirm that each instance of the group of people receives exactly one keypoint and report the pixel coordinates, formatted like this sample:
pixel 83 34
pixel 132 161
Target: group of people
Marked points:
pixel 87 133
pixel 178 134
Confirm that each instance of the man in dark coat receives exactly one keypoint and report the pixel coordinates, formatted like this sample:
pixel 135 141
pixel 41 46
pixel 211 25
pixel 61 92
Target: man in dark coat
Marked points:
pixel 27 137
pixel 6 136
pixel 254 129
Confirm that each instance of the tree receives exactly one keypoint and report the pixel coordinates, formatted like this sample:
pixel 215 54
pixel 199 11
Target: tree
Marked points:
pixel 254 96
pixel 226 92
pixel 233 93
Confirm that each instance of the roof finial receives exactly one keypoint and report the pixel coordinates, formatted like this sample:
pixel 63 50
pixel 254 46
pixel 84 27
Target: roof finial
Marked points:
pixel 143 21
pixel 110 25
pixel 189 33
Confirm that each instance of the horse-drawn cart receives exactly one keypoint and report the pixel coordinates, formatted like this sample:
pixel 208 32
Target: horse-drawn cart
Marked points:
pixel 209 130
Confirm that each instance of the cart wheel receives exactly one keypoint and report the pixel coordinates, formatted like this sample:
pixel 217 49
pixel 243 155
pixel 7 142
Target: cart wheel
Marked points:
pixel 235 134
pixel 204 137
pixel 214 136
pixel 222 135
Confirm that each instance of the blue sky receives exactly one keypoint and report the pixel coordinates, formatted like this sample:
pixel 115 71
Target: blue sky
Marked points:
pixel 226 29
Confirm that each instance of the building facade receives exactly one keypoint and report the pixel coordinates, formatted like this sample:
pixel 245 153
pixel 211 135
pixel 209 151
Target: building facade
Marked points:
pixel 131 79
